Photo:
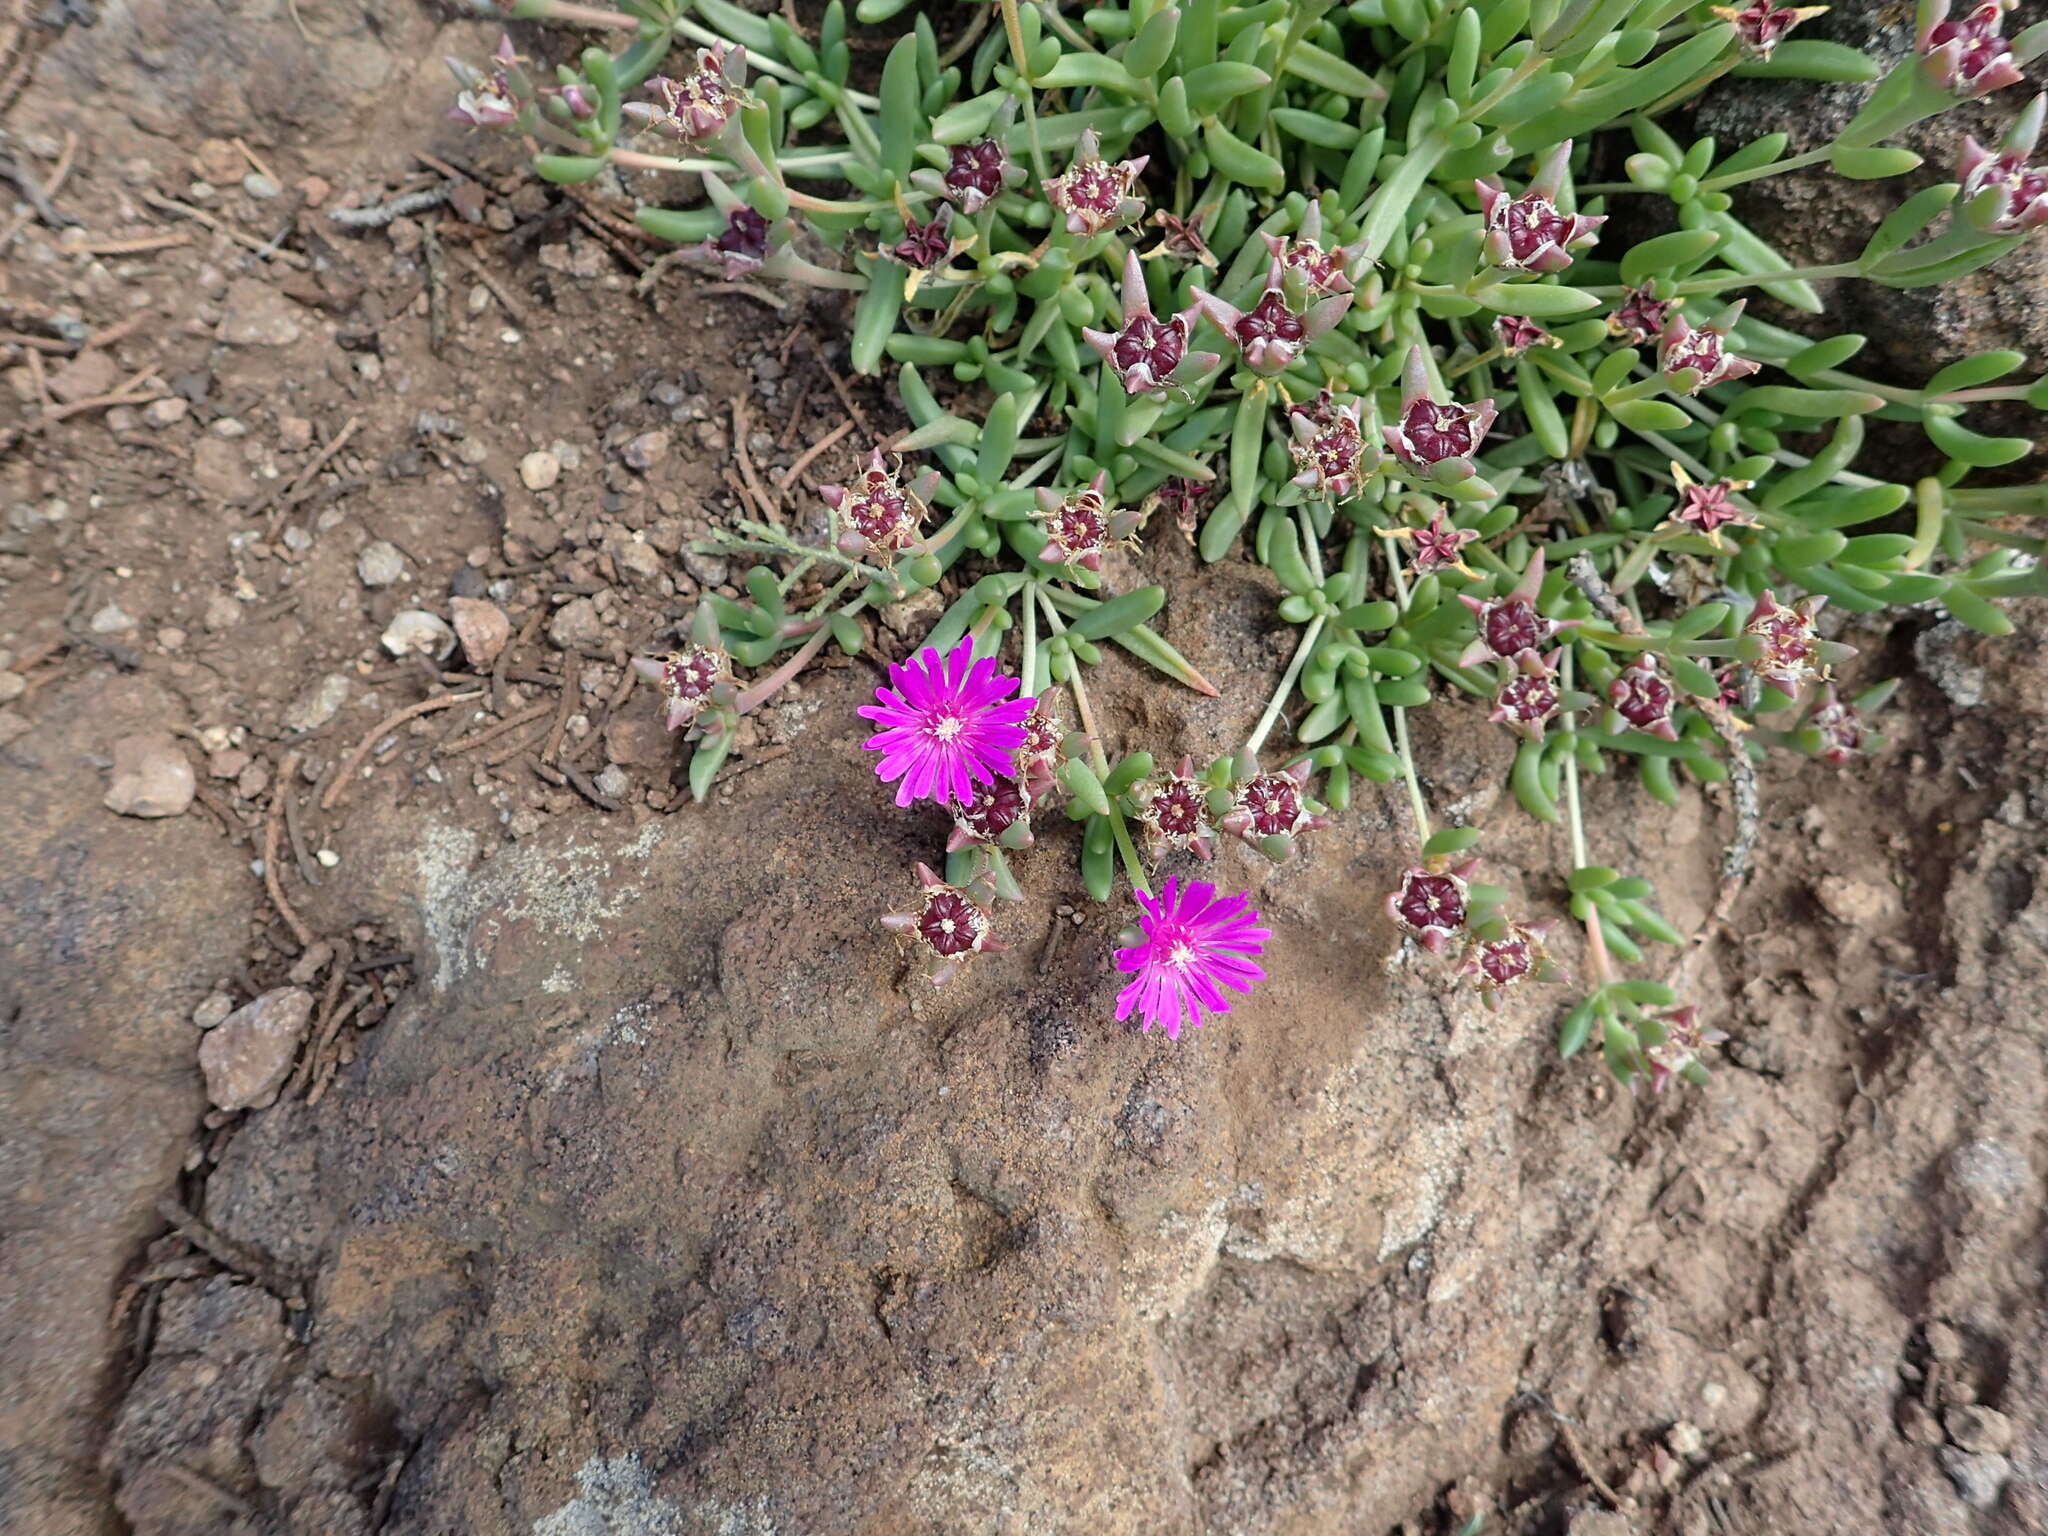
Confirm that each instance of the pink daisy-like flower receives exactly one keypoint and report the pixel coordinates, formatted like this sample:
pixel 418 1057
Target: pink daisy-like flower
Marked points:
pixel 946 725
pixel 1196 944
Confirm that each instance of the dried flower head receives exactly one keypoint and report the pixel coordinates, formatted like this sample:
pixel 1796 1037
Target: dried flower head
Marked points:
pixel 699 104
pixel 1149 354
pixel 949 926
pixel 1439 546
pixel 1640 316
pixel 1530 698
pixel 1436 440
pixel 1038 757
pixel 1508 957
pixel 1174 808
pixel 1692 360
pixel 1273 806
pixel 1836 728
pixel 1515 335
pixel 1968 56
pixel 1181 238
pixel 1432 905
pixel 1782 645
pixel 1511 625
pixel 1194 944
pixel 1182 499
pixel 1332 456
pixel 691 681
pixel 1304 269
pixel 879 515
pixel 925 246
pixel 1707 509
pixel 2020 201
pixel 1094 194
pixel 1642 697
pixel 998 814
pixel 741 247
pixel 1081 527
pixel 1272 333
pixel 947 724
pixel 1529 233
pixel 1684 1039
pixel 977 172
pixel 1762 24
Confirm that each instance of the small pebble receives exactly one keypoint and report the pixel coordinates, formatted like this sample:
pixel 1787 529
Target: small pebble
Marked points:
pixel 482 628
pixel 1979 1480
pixel 380 564
pixel 646 450
pixel 539 470
pixel 294 434
pixel 328 858
pixel 248 1055
pixel 417 632
pixel 152 777
pixel 1979 1429
pixel 215 1007
pixel 260 186
pixel 297 540
pixel 613 783
pixel 167 412
pixel 111 620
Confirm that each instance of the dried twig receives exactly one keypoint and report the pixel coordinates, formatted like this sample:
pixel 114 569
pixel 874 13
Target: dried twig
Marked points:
pixel 272 823
pixel 296 491
pixel 264 248
pixel 810 454
pixel 378 215
pixel 323 1060
pixel 384 727
pixel 572 681
pixel 493 732
pixel 838 384
pixel 230 1254
pixel 337 973
pixel 498 290
pixel 132 392
pixel 120 330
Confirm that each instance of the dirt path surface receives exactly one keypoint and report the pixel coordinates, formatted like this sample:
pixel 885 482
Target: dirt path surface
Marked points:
pixel 416 1117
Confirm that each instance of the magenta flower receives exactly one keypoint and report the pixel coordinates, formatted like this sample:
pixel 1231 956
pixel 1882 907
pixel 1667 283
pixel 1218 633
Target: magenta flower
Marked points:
pixel 1692 360
pixel 1094 194
pixel 950 926
pixel 1708 509
pixel 1511 625
pixel 1761 25
pixel 1640 316
pixel 2021 200
pixel 691 681
pixel 1196 943
pixel 1436 441
pixel 1642 697
pixel 946 725
pixel 1331 455
pixel 1968 57
pixel 1516 334
pixel 1529 233
pixel 1431 905
pixel 1149 354
pixel 699 104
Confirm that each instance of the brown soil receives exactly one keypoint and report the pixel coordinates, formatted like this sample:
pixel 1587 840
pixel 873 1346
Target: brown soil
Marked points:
pixel 627 1185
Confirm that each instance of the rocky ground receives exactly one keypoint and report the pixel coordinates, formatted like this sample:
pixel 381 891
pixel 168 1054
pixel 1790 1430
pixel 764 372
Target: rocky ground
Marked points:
pixel 419 1118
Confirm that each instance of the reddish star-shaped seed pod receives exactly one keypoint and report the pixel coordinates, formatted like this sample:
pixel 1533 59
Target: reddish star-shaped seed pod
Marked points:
pixel 1147 354
pixel 1081 527
pixel 1761 25
pixel 1183 499
pixel 1038 759
pixel 999 815
pixel 691 681
pixel 1684 1039
pixel 1530 698
pixel 1511 625
pixel 741 247
pixel 1692 360
pixel 2020 200
pixel 1782 645
pixel 1967 56
pixel 1640 316
pixel 1516 334
pixel 1181 238
pixel 1431 905
pixel 1332 456
pixel 1271 808
pixel 1094 194
pixel 698 105
pixel 1272 333
pixel 949 926
pixel 925 246
pixel 1173 808
pixel 879 515
pixel 1436 547
pixel 1305 270
pixel 1707 509
pixel 1503 961
pixel 1433 440
pixel 1642 697
pixel 1530 233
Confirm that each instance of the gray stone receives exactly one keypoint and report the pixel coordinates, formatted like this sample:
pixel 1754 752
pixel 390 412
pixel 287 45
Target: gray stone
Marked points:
pixel 152 777
pixel 647 450
pixel 1978 1479
pixel 417 632
pixel 167 412
pixel 254 314
pixel 613 781
pixel 539 470
pixel 1984 1430
pixel 112 619
pixel 248 1055
pixel 577 627
pixel 213 1008
pixel 320 703
pixel 380 564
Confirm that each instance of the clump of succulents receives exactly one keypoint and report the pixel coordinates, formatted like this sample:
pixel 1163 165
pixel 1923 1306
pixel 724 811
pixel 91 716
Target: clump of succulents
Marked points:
pixel 1328 287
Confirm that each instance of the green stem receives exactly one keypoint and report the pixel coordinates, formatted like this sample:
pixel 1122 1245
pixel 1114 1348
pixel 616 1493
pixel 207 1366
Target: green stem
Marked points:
pixel 775 681
pixel 1278 702
pixel 1747 280
pixel 1571 780
pixel 1776 167
pixel 1016 35
pixel 1030 616
pixel 1133 870
pixel 1402 749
